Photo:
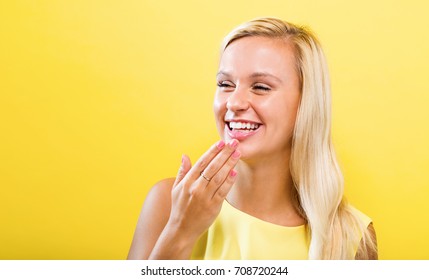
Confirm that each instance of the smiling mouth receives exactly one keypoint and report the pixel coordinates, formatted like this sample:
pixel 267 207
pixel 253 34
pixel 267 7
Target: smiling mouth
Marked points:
pixel 243 126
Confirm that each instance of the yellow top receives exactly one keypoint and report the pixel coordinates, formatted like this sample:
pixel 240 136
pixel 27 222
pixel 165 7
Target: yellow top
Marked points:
pixel 236 235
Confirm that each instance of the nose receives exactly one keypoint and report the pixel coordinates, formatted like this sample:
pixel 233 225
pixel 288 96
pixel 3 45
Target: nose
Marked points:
pixel 238 100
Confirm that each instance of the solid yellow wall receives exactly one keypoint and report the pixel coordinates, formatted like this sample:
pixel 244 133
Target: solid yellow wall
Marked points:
pixel 99 99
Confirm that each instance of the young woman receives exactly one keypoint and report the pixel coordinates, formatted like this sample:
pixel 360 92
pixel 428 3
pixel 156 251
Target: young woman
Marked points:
pixel 271 188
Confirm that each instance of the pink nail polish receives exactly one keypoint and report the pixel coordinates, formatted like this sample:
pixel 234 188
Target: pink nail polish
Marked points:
pixel 233 173
pixel 236 154
pixel 220 144
pixel 234 143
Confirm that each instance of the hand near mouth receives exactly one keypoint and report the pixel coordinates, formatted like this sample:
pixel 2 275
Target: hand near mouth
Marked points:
pixel 196 199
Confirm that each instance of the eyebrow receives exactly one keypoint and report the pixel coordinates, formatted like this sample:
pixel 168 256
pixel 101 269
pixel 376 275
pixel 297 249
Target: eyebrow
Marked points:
pixel 253 75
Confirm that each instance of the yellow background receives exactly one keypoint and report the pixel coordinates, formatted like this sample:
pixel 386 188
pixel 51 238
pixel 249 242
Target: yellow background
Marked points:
pixel 99 99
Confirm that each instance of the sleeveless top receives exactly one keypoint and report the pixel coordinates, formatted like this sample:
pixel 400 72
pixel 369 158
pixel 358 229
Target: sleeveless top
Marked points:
pixel 236 235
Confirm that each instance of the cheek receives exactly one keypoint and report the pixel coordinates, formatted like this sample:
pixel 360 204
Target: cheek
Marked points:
pixel 219 106
pixel 279 111
pixel 289 114
pixel 219 110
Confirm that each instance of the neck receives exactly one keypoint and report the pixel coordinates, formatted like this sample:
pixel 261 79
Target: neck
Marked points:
pixel 265 189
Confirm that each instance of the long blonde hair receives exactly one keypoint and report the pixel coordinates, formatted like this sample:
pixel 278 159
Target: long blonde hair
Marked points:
pixel 334 226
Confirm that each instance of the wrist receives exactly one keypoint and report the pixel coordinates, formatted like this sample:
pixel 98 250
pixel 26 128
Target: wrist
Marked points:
pixel 174 244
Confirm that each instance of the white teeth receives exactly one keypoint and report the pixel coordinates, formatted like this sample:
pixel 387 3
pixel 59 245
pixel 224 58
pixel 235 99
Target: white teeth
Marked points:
pixel 240 125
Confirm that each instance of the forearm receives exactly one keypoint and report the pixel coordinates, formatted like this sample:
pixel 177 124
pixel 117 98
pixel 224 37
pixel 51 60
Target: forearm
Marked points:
pixel 173 244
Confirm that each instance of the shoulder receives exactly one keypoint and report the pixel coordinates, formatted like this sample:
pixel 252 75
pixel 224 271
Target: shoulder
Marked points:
pixel 363 218
pixel 161 190
pixel 153 218
pixel 367 248
pixel 158 201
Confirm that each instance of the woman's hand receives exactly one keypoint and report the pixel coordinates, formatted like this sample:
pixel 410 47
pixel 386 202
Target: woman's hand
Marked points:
pixel 196 199
pixel 198 192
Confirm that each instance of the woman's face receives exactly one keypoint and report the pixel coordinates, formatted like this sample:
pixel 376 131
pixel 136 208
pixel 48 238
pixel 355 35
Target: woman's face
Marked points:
pixel 257 96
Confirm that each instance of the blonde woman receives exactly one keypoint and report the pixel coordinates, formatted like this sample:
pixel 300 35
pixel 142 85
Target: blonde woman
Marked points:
pixel 271 188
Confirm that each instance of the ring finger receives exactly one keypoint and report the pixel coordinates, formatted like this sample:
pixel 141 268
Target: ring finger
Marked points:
pixel 218 162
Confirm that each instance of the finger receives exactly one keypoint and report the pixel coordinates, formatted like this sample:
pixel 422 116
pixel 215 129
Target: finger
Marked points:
pixel 221 192
pixel 220 159
pixel 183 170
pixel 205 159
pixel 222 175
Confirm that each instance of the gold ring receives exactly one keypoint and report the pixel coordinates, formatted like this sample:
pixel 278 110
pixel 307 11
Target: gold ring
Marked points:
pixel 205 178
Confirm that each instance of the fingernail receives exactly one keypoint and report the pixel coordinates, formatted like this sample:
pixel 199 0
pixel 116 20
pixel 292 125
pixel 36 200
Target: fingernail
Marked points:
pixel 183 159
pixel 234 143
pixel 236 154
pixel 220 144
pixel 233 173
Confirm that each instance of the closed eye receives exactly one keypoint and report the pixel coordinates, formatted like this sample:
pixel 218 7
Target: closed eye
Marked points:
pixel 261 87
pixel 225 84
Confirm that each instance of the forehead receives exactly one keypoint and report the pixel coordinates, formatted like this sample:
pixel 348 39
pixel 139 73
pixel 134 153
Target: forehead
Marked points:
pixel 258 54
